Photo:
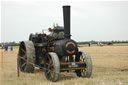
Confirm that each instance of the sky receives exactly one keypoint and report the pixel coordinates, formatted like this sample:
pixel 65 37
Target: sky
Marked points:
pixel 104 20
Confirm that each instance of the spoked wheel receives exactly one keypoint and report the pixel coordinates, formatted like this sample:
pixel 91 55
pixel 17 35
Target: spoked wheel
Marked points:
pixel 87 71
pixel 26 56
pixel 52 66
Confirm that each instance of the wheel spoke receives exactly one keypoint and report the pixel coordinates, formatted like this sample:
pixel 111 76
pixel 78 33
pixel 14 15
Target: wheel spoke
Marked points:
pixel 23 50
pixel 81 71
pixel 49 59
pixel 47 64
pixel 22 58
pixel 52 74
pixel 50 62
pixel 48 72
pixel 84 73
pixel 86 70
pixel 24 64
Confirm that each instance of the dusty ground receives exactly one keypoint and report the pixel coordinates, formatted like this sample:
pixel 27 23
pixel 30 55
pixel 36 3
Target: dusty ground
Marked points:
pixel 110 67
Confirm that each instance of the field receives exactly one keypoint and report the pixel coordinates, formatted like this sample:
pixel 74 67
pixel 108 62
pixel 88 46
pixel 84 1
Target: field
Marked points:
pixel 110 67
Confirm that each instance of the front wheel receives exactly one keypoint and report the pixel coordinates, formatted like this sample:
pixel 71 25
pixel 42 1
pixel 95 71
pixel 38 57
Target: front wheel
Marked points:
pixel 52 66
pixel 87 71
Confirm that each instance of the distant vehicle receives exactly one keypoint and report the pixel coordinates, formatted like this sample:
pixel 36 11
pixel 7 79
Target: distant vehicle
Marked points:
pixel 100 44
pixel 109 43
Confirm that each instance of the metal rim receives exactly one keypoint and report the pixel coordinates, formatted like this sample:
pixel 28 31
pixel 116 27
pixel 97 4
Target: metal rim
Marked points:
pixel 26 56
pixel 22 58
pixel 52 67
pixel 87 71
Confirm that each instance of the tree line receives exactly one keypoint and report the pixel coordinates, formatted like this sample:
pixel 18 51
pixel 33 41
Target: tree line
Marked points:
pixel 10 43
pixel 104 42
pixel 82 42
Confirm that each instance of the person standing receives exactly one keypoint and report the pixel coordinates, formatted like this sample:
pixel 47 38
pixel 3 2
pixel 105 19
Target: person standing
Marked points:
pixel 6 47
pixel 11 48
pixel 2 46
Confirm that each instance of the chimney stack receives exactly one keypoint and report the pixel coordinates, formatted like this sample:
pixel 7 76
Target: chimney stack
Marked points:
pixel 66 17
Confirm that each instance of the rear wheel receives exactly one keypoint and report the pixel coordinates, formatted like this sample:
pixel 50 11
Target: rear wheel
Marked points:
pixel 26 56
pixel 52 66
pixel 87 71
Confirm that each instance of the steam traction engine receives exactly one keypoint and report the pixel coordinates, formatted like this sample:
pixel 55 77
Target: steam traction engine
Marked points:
pixel 54 53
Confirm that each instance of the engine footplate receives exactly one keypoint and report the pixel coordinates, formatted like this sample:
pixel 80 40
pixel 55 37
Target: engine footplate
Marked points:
pixel 72 66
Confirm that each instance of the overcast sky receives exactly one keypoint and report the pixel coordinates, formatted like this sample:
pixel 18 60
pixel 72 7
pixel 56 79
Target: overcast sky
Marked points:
pixel 90 20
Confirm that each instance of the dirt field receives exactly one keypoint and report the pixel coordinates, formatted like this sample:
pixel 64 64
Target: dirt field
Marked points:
pixel 110 67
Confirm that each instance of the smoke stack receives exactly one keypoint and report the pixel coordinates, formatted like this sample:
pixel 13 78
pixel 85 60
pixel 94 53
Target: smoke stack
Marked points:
pixel 66 16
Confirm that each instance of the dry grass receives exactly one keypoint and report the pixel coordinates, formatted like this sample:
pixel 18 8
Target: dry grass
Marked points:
pixel 110 67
